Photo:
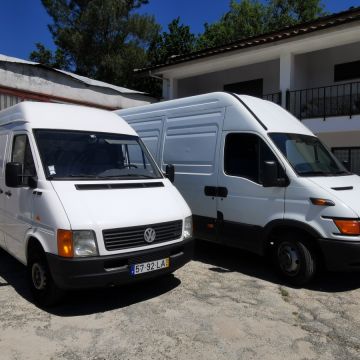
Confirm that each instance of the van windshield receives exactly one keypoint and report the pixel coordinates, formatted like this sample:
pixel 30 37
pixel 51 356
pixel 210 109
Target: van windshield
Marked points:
pixel 307 155
pixel 92 155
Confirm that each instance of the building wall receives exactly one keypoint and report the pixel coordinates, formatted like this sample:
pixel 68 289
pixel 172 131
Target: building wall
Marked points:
pixel 316 69
pixel 26 81
pixel 8 100
pixel 268 71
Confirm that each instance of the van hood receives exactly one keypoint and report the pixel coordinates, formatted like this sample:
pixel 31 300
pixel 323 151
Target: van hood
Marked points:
pixel 342 188
pixel 103 205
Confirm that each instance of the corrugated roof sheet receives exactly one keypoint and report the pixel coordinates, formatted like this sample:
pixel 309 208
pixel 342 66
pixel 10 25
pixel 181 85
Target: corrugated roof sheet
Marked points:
pixel 82 79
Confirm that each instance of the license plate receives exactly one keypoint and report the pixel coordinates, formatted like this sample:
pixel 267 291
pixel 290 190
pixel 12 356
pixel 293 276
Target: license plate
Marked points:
pixel 149 266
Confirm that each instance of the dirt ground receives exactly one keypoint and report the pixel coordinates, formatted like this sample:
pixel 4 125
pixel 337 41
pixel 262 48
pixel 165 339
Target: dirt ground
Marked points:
pixel 226 304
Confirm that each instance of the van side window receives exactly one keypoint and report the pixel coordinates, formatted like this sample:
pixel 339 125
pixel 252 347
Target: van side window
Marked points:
pixel 21 153
pixel 244 156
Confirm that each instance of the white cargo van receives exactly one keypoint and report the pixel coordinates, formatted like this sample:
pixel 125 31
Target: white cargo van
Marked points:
pixel 256 178
pixel 82 203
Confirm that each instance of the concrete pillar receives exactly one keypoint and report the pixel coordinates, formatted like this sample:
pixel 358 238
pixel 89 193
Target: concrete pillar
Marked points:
pixel 287 70
pixel 172 88
pixel 165 89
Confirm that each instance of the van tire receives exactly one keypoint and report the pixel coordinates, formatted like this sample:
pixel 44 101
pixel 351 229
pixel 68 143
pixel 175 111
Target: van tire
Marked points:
pixel 295 260
pixel 43 288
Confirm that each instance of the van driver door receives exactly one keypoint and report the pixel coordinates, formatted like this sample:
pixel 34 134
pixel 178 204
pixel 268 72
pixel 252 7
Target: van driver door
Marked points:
pixel 18 202
pixel 3 147
pixel 246 206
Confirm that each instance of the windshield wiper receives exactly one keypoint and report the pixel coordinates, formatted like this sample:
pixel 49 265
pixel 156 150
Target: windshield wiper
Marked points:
pixel 319 173
pixel 137 175
pixel 91 176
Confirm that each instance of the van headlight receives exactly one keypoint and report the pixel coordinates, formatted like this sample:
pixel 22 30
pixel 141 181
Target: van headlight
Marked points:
pixel 188 227
pixel 84 243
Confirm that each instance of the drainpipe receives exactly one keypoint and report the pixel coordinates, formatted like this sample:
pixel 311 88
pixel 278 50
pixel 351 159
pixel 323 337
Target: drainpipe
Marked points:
pixel 156 76
pixel 165 85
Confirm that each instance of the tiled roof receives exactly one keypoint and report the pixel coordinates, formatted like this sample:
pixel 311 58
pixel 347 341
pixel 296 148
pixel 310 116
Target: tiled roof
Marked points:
pixel 330 21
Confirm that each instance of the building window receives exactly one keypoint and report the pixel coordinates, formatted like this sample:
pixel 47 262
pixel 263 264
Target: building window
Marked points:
pixel 252 87
pixel 350 157
pixel 347 71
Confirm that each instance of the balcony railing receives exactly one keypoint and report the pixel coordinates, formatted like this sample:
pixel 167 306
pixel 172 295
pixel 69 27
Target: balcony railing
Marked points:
pixel 334 100
pixel 275 97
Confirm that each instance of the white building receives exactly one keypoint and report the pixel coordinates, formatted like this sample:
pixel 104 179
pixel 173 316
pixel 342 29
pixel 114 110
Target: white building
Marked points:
pixel 312 69
pixel 25 80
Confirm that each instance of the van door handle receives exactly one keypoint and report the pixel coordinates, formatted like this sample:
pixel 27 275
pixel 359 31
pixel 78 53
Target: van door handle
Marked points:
pixel 210 191
pixel 8 193
pixel 215 191
pixel 1 191
pixel 222 192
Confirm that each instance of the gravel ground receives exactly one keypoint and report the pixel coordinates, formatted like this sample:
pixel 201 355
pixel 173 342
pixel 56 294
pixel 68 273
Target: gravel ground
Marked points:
pixel 227 304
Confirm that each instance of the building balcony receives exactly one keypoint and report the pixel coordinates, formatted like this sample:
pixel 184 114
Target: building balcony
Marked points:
pixel 325 101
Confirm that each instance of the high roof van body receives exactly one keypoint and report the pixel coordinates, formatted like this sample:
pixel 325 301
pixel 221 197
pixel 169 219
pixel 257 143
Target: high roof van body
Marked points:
pixel 256 178
pixel 82 202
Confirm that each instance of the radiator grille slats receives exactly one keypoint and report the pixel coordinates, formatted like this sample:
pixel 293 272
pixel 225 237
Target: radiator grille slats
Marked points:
pixel 125 238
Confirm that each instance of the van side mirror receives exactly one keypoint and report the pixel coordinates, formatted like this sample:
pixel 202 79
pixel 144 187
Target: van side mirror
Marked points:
pixel 13 174
pixel 270 175
pixel 170 172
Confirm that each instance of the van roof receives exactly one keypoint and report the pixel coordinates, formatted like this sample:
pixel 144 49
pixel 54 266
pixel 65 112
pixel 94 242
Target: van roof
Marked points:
pixel 270 116
pixel 41 115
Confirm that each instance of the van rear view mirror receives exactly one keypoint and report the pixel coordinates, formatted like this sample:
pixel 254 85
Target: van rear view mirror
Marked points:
pixel 13 174
pixel 270 175
pixel 170 172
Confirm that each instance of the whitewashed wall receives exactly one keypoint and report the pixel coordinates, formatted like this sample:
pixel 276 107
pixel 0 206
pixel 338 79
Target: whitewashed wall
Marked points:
pixel 269 71
pixel 316 69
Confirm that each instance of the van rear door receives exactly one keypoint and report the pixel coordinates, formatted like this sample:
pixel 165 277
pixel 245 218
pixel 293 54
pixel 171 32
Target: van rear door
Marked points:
pixel 246 206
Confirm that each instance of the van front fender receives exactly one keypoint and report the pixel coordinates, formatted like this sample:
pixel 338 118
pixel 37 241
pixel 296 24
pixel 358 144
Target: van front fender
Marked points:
pixel 47 240
pixel 286 225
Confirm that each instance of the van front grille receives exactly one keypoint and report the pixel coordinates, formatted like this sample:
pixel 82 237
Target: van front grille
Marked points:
pixel 124 238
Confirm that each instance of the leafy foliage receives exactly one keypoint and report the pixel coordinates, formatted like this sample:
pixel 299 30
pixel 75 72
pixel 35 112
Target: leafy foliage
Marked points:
pixel 251 17
pixel 102 39
pixel 178 40
pixel 244 19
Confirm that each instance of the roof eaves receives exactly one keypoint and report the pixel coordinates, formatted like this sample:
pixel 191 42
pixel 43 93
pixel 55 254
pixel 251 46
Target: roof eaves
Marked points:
pixel 322 23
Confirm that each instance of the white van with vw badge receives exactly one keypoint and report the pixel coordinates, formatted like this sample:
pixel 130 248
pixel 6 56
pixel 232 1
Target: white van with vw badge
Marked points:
pixel 82 203
pixel 256 178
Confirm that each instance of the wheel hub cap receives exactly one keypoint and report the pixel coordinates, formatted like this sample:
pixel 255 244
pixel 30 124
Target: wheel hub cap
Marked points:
pixel 38 276
pixel 288 258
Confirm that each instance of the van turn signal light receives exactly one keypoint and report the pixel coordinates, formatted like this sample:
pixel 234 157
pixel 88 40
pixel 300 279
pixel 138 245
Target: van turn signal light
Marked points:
pixel 65 243
pixel 322 202
pixel 348 227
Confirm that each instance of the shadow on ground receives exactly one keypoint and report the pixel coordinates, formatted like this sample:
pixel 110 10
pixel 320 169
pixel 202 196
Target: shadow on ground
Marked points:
pixel 220 259
pixel 77 303
pixel 224 259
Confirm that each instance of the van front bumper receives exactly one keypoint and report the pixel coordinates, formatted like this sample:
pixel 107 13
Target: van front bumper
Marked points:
pixel 104 271
pixel 341 255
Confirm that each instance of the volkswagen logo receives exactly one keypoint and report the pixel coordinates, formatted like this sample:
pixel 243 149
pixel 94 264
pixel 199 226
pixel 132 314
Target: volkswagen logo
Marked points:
pixel 149 235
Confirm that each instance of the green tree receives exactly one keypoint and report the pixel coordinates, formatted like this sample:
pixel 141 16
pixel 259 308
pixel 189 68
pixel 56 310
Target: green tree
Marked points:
pixel 102 39
pixel 244 19
pixel 251 17
pixel 291 12
pixel 178 40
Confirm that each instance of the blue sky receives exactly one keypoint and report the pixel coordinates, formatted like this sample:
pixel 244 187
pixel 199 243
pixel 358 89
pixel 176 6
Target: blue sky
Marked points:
pixel 24 22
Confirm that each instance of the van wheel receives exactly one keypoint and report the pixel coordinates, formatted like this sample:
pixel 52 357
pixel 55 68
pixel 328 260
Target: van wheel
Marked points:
pixel 42 286
pixel 295 261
